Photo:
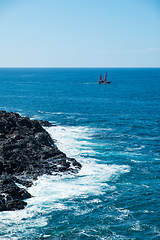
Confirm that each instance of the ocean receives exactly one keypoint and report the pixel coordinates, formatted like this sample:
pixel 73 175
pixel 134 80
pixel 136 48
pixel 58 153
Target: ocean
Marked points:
pixel 113 130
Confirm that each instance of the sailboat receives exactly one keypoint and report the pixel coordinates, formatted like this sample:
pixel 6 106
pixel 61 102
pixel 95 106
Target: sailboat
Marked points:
pixel 105 80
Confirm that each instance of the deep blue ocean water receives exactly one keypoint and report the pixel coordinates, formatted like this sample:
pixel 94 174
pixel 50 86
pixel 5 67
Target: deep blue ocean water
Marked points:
pixel 113 130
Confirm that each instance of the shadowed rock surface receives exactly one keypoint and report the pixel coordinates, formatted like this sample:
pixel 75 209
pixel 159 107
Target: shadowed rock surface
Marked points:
pixel 26 152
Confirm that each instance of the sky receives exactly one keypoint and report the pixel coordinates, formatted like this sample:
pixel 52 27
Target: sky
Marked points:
pixel 79 33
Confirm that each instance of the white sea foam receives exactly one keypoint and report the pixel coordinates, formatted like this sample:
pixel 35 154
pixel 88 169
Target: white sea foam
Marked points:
pixel 93 177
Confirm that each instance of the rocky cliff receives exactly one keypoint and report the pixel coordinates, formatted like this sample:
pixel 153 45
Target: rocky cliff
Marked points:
pixel 26 152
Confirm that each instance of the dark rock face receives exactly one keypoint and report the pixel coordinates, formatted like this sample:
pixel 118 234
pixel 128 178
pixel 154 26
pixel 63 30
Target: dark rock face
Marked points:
pixel 26 152
pixel 11 195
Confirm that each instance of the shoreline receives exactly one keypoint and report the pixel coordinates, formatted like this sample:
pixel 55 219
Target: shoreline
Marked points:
pixel 26 152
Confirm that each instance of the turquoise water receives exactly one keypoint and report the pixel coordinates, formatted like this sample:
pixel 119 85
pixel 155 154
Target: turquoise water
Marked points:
pixel 113 130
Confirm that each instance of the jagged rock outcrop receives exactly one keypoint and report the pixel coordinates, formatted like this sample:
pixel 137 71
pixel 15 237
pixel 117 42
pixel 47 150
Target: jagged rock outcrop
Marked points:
pixel 26 152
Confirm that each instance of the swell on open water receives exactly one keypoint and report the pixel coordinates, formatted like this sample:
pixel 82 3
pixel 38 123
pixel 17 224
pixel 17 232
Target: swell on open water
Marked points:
pixel 113 131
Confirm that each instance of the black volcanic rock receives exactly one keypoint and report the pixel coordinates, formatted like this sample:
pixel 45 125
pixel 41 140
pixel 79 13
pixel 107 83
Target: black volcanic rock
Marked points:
pixel 12 205
pixel 9 187
pixel 26 152
pixel 45 123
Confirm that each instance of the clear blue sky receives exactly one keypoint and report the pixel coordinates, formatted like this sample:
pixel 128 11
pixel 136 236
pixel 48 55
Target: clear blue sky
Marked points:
pixel 79 33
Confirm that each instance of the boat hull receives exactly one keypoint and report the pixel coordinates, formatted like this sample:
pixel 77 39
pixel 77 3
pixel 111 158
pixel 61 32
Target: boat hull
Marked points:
pixel 102 82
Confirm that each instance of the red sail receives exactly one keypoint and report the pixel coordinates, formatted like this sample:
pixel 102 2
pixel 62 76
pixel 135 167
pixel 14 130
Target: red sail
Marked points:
pixel 100 77
pixel 105 77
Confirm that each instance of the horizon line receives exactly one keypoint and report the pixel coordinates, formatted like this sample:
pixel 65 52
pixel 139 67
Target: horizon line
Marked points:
pixel 79 67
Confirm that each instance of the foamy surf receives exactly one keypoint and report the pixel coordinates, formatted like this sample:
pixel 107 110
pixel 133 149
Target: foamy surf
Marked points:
pixel 92 178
